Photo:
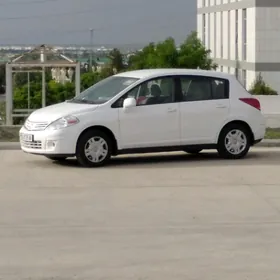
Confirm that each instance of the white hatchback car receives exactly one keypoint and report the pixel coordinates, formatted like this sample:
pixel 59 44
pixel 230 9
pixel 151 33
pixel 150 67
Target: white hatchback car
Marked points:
pixel 148 111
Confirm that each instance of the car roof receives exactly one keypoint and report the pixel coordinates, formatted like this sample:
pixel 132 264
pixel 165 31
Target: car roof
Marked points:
pixel 147 73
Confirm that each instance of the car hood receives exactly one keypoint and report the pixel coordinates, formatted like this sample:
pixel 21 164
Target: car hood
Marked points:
pixel 54 112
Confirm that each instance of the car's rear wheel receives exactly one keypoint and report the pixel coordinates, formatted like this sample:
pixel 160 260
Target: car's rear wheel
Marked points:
pixel 94 149
pixel 193 151
pixel 234 141
pixel 54 158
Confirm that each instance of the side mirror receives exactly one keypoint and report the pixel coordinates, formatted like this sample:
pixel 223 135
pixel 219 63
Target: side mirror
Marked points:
pixel 129 103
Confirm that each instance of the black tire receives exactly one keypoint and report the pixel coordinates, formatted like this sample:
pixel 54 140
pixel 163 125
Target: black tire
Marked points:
pixel 193 151
pixel 222 149
pixel 54 158
pixel 81 145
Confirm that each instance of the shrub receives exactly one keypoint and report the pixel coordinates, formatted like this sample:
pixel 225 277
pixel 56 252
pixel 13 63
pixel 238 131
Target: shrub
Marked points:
pixel 259 87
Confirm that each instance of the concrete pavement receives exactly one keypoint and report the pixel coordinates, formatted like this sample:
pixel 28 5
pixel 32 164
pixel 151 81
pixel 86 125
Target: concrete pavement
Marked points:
pixel 9 146
pixel 172 216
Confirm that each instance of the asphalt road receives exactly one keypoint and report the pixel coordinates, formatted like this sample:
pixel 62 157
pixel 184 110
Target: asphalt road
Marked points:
pixel 163 217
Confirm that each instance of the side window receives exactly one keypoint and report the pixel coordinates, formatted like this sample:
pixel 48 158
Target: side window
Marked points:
pixel 196 88
pixel 152 92
pixel 220 89
pixel 158 91
pixel 133 93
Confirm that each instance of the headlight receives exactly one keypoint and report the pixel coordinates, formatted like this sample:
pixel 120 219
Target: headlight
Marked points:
pixel 63 122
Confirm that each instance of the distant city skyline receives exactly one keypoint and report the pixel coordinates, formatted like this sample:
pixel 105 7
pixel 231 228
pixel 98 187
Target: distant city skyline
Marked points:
pixel 116 22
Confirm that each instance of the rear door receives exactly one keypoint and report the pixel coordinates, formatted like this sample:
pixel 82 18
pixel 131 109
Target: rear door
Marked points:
pixel 204 107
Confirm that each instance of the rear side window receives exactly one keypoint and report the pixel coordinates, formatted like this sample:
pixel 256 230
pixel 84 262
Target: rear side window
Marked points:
pixel 199 88
pixel 220 88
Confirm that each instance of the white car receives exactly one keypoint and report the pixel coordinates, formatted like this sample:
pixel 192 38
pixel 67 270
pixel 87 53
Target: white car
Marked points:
pixel 152 110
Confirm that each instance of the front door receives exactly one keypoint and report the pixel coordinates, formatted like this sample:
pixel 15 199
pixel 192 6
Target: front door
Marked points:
pixel 204 108
pixel 154 122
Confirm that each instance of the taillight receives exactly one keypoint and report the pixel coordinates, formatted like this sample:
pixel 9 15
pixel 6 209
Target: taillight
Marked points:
pixel 252 102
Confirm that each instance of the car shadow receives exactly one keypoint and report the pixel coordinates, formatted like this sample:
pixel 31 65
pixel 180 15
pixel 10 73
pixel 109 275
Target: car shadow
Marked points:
pixel 176 160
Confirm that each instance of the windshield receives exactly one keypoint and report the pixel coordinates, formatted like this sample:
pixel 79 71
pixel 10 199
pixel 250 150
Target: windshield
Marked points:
pixel 104 90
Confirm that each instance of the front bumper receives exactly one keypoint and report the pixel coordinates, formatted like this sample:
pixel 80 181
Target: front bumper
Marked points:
pixel 46 142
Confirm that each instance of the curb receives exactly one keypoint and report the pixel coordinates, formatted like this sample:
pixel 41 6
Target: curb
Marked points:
pixel 267 143
pixel 9 146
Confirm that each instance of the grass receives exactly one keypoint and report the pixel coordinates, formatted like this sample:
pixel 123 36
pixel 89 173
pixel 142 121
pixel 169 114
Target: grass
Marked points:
pixel 272 133
pixel 9 134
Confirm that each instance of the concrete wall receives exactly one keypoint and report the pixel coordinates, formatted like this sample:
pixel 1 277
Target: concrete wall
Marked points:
pixel 218 31
pixel 268 43
pixel 270 106
pixel 256 25
pixel 267 34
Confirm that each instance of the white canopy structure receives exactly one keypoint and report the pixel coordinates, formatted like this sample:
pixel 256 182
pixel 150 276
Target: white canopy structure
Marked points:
pixel 37 60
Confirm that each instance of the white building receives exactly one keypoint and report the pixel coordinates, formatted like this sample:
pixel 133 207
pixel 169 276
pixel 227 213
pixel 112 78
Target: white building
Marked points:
pixel 244 37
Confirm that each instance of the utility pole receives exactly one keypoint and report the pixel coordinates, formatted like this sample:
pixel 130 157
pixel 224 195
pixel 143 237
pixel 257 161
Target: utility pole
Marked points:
pixel 91 49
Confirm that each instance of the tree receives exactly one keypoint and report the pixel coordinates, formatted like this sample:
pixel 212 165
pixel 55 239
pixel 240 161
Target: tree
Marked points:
pixel 106 72
pixel 117 60
pixel 21 96
pixel 57 92
pixel 2 78
pixel 20 79
pixel 88 79
pixel 2 74
pixel 161 55
pixel 166 54
pixel 259 87
pixel 191 54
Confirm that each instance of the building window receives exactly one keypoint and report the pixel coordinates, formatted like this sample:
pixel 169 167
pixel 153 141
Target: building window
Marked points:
pixel 203 28
pixel 203 3
pixel 222 68
pixel 244 78
pixel 244 34
pixel 236 35
pixel 236 73
pixel 222 36
pixel 229 35
pixel 215 33
pixel 209 33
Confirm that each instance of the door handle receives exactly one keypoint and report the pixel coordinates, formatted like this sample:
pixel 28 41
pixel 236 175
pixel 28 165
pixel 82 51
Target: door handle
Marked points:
pixel 220 106
pixel 171 110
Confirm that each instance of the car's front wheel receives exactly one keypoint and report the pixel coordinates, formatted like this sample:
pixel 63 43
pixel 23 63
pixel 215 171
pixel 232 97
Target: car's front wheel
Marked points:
pixel 234 141
pixel 94 148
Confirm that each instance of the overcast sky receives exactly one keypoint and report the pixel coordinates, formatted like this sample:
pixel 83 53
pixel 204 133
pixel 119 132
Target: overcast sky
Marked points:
pixel 114 21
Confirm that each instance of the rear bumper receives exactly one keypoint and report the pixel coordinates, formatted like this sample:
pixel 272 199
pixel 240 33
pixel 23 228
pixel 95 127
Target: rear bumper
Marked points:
pixel 259 132
pixel 256 142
